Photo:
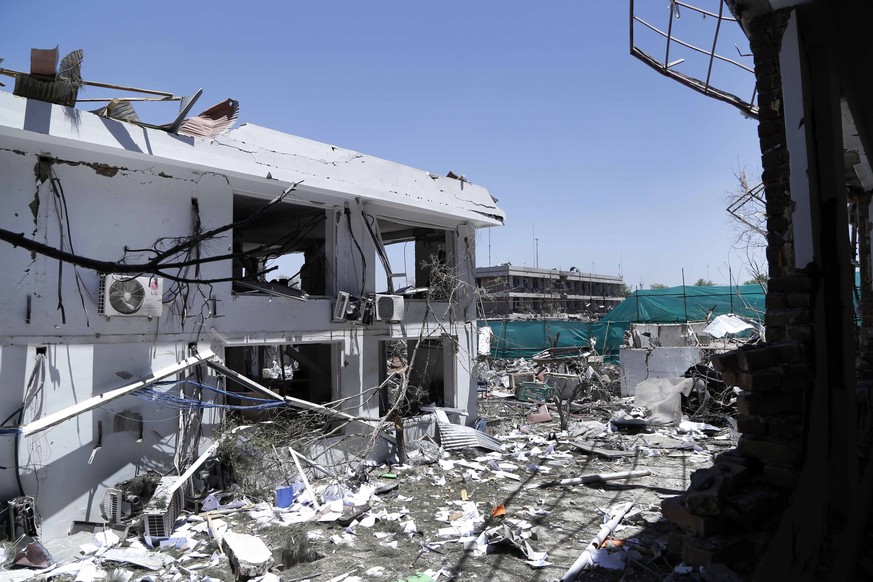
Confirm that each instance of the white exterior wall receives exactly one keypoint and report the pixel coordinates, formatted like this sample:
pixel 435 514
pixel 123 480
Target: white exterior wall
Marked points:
pixel 661 362
pixel 127 186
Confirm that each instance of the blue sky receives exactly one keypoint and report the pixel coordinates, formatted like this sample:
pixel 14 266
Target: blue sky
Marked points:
pixel 606 162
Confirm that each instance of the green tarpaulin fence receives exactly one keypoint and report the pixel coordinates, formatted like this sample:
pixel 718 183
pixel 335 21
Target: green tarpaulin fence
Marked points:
pixel 513 339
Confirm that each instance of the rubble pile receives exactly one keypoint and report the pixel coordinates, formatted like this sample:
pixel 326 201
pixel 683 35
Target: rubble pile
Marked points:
pixel 744 492
pixel 569 373
pixel 540 488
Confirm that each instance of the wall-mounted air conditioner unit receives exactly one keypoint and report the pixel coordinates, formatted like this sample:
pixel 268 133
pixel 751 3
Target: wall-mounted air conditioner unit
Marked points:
pixel 128 296
pixel 389 308
pixel 110 506
pixel 164 508
pixel 346 308
pixel 22 518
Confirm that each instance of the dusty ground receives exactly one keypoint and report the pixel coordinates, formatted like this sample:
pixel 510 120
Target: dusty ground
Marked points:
pixel 563 519
pixel 405 539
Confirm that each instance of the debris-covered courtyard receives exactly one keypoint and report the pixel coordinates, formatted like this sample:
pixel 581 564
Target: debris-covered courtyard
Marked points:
pixel 537 490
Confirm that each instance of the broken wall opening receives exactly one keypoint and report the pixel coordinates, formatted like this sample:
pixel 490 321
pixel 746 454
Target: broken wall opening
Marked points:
pixel 281 248
pixel 428 375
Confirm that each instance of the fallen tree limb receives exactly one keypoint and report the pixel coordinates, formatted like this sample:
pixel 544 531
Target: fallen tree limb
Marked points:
pixel 586 558
pixel 593 478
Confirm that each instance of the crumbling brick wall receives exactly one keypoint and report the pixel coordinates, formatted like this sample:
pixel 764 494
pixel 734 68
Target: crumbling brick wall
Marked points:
pixel 730 509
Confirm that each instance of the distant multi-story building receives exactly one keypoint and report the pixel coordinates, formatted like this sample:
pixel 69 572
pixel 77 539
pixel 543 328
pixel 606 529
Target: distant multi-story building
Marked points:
pixel 509 289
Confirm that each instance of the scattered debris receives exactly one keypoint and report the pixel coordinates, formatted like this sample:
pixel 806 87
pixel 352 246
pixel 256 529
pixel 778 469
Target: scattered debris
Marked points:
pixel 594 478
pixel 587 558
pixel 266 506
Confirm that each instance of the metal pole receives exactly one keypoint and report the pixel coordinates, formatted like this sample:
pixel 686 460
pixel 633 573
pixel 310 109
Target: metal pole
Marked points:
pixel 731 287
pixel 684 300
pixel 637 295
pixel 714 43
pixel 669 37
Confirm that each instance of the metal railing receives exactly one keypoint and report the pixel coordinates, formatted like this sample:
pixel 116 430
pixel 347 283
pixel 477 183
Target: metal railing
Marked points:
pixel 668 67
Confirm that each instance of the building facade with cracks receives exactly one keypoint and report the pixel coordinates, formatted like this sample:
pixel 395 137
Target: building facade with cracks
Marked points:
pixel 121 278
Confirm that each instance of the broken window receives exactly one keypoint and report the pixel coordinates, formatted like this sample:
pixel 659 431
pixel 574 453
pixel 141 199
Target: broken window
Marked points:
pixel 401 256
pixel 303 371
pixel 426 377
pixel 281 250
pixel 418 255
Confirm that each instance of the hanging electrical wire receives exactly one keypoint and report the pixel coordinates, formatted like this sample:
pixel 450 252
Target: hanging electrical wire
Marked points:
pixel 165 398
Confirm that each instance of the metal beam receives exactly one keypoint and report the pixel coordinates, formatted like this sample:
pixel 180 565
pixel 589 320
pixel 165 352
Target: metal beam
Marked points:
pixel 101 399
pixel 295 402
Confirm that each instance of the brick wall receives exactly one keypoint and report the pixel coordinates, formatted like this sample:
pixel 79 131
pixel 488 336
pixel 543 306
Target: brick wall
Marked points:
pixel 730 509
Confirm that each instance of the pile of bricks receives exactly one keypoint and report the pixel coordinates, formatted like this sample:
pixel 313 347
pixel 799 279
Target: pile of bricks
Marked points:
pixel 730 508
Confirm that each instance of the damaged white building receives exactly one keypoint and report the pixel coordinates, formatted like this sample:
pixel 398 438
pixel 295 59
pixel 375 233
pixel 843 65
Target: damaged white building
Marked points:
pixel 119 283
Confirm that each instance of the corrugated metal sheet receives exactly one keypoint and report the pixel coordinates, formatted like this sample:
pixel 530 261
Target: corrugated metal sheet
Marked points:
pixel 116 109
pixel 55 91
pixel 456 436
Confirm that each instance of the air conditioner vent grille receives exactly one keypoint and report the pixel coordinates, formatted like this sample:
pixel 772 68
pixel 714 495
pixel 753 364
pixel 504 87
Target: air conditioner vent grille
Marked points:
pixel 130 296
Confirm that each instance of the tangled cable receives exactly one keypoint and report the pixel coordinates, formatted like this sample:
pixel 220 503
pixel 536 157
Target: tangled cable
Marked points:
pixel 182 402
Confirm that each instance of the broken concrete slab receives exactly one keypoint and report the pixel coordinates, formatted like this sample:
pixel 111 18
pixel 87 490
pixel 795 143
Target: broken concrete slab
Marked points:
pixel 140 557
pixel 541 415
pixel 663 397
pixel 249 555
pixel 658 362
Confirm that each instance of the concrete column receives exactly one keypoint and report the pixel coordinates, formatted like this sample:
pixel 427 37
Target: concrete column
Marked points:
pixel 354 252
pixel 462 244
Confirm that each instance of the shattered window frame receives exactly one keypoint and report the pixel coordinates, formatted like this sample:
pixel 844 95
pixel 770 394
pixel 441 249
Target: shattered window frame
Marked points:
pixel 299 368
pixel 429 243
pixel 438 373
pixel 286 229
